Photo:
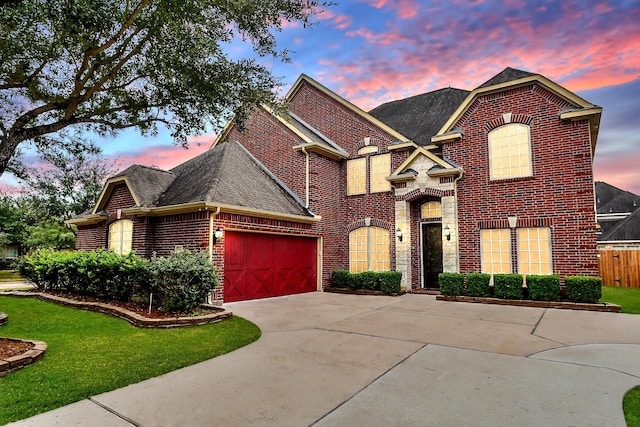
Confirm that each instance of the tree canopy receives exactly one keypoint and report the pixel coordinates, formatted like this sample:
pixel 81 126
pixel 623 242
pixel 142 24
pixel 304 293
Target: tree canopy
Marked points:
pixel 106 65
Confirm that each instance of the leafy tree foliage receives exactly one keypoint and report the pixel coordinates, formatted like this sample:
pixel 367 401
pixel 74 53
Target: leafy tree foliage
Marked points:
pixel 106 65
pixel 67 182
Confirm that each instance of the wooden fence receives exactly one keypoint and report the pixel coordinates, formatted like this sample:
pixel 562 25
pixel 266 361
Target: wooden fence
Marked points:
pixel 620 267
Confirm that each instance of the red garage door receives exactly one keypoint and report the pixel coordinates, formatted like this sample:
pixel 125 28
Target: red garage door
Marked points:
pixel 266 265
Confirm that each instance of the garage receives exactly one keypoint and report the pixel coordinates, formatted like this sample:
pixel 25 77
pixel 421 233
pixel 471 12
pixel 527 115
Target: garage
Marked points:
pixel 268 265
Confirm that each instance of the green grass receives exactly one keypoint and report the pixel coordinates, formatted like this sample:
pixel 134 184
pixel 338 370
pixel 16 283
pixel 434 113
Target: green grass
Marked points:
pixel 10 276
pixel 627 298
pixel 631 406
pixel 90 353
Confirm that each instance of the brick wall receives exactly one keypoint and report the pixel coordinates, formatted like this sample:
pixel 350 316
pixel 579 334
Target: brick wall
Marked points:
pixel 560 192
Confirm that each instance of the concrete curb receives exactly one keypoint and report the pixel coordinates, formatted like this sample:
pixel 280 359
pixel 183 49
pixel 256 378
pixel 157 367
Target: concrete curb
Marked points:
pixel 134 318
pixel 604 307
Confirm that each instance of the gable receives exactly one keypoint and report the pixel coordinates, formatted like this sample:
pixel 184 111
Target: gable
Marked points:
pixel 338 119
pixel 116 194
pixel 571 106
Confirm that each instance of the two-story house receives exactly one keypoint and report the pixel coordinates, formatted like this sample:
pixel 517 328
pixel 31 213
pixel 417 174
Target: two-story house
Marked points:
pixel 498 179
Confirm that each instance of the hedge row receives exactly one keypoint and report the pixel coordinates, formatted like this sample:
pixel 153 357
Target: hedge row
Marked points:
pixel 510 286
pixel 385 281
pixel 179 282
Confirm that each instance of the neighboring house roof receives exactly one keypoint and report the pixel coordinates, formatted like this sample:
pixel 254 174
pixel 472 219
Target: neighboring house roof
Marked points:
pixel 420 117
pixel 618 213
pixel 625 229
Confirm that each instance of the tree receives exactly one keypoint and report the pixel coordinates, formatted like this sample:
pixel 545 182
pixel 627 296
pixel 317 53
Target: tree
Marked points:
pixel 106 65
pixel 67 182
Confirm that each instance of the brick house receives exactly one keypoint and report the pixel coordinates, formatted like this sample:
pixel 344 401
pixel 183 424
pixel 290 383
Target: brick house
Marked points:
pixel 498 179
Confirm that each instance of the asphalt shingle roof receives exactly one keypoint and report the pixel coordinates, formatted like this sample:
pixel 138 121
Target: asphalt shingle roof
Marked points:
pixel 148 183
pixel 420 117
pixel 506 75
pixel 611 200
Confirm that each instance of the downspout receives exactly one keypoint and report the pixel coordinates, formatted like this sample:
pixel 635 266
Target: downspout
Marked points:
pixel 306 189
pixel 211 218
pixel 455 194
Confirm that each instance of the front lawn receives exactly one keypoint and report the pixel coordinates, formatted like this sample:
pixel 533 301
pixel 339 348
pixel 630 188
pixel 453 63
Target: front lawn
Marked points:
pixel 90 353
pixel 627 298
pixel 631 405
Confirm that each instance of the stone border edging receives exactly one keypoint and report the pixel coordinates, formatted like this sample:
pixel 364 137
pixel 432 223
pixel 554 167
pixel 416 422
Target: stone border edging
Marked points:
pixel 604 307
pixel 14 363
pixel 360 292
pixel 134 318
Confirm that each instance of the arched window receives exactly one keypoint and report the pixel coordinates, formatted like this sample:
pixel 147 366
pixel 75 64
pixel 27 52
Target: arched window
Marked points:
pixel 431 210
pixel 510 151
pixel 369 249
pixel 121 236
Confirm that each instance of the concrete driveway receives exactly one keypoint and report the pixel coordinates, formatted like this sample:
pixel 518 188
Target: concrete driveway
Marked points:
pixel 343 360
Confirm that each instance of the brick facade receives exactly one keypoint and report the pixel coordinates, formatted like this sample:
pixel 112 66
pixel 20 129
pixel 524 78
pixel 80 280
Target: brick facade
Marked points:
pixel 560 192
pixel 558 195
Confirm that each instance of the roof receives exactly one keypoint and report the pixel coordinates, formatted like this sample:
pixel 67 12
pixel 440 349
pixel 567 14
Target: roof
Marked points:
pixel 421 116
pixel 147 183
pixel 507 75
pixel 610 199
pixel 229 175
pixel 618 213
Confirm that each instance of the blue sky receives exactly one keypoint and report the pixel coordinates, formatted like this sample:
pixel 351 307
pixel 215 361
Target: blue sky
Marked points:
pixel 374 51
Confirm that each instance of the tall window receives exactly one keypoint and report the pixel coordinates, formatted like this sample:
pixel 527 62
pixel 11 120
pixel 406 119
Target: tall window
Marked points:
pixel 534 251
pixel 510 151
pixel 431 210
pixel 380 169
pixel 369 249
pixel 357 176
pixel 121 236
pixel 495 247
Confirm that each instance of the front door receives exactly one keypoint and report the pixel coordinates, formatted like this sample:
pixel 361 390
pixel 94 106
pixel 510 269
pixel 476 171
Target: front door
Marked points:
pixel 431 254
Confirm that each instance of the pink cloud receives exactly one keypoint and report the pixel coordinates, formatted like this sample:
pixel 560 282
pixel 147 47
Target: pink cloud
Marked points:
pixel 621 171
pixel 161 156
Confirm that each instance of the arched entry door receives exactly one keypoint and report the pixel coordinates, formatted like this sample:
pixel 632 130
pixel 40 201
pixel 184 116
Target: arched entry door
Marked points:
pixel 431 254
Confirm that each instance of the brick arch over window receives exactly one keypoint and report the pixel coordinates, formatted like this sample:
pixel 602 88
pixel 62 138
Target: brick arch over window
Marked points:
pixel 372 223
pixel 515 118
pixel 428 192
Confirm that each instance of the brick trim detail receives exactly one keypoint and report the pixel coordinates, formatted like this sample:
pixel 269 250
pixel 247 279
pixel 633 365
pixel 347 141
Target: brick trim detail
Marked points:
pixel 373 223
pixel 428 192
pixel 515 118
pixel 522 223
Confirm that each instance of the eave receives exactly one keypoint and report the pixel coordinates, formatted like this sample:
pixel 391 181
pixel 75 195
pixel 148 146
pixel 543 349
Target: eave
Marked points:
pixel 402 146
pixel 447 137
pixel 592 114
pixel 402 177
pixel 445 172
pixel 208 206
pixel 88 219
pixel 314 147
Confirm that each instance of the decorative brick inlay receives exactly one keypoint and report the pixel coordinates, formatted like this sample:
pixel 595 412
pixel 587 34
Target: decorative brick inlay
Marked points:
pixel 134 318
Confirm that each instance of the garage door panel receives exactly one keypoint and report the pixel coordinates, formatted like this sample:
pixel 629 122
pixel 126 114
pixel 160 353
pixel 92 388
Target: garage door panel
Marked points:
pixel 263 265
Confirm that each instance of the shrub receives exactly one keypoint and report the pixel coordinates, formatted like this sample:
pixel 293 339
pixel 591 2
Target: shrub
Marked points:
pixel 369 280
pixel 508 286
pixel 478 285
pixel 451 284
pixel 181 281
pixel 390 281
pixel 583 288
pixel 340 279
pixel 544 288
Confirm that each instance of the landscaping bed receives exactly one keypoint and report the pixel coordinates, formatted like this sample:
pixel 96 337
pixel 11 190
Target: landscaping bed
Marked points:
pixel 135 313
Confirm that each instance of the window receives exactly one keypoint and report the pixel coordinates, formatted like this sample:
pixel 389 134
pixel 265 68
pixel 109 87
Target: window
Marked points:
pixel 534 251
pixel 357 176
pixel 369 249
pixel 380 169
pixel 495 248
pixel 120 236
pixel 510 151
pixel 431 210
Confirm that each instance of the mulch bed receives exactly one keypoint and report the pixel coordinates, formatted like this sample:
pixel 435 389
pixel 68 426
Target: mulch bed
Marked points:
pixel 10 348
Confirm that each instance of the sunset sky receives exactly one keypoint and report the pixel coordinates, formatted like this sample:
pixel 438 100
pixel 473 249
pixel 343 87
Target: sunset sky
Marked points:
pixel 374 51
